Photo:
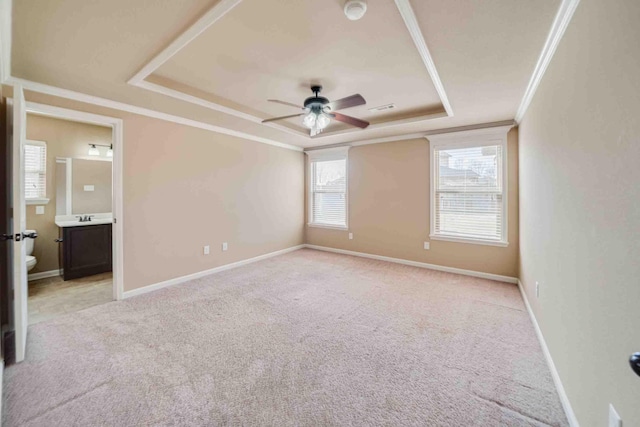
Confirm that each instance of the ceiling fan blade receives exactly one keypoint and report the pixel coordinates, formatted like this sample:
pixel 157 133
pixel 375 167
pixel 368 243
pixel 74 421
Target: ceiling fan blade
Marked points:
pixel 350 120
pixel 285 103
pixel 348 102
pixel 282 118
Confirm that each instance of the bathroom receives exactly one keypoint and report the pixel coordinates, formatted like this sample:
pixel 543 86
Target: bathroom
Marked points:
pixel 68 193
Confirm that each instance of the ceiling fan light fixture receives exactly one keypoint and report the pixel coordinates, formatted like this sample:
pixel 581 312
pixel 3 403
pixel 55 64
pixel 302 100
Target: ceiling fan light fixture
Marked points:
pixel 310 120
pixel 355 9
pixel 322 121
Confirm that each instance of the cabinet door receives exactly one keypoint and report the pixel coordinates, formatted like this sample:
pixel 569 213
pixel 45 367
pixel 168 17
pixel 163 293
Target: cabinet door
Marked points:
pixel 87 250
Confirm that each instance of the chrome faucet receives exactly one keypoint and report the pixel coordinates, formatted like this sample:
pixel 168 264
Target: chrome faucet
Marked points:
pixel 84 218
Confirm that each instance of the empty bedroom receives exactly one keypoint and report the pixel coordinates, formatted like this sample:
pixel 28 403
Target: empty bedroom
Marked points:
pixel 319 213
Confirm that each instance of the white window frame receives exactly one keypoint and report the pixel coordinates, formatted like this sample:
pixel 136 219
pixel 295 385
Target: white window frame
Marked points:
pixel 327 154
pixel 471 138
pixel 38 200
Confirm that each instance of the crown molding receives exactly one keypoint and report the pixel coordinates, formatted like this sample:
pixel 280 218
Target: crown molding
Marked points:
pixel 490 127
pixel 405 9
pixel 204 22
pixel 120 106
pixel 560 24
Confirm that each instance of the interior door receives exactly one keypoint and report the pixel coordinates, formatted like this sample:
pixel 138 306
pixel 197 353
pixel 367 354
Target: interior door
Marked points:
pixel 20 288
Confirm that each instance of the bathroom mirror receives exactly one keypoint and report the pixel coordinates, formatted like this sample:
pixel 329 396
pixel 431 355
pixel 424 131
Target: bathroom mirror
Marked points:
pixel 83 186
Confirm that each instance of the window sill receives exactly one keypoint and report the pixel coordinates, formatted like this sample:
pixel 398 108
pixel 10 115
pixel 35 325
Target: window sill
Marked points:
pixel 38 201
pixel 467 240
pixel 330 227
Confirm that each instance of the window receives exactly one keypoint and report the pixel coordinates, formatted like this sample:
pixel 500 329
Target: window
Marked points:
pixel 328 187
pixel 468 187
pixel 35 172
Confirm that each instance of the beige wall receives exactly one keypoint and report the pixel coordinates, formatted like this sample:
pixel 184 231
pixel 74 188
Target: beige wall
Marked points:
pixel 389 210
pixel 64 139
pixel 99 175
pixel 580 209
pixel 186 187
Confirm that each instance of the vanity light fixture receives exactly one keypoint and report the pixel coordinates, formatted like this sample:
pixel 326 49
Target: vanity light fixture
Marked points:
pixel 93 150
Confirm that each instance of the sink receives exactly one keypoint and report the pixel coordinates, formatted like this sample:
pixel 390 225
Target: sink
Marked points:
pixel 76 223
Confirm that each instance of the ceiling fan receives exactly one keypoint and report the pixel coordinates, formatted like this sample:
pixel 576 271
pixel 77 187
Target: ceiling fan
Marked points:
pixel 318 111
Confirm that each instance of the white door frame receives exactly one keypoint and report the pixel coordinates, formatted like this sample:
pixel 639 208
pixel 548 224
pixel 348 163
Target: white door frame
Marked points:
pixel 117 208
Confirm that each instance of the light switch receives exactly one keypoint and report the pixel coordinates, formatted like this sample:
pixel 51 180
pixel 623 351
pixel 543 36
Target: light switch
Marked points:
pixel 39 210
pixel 206 250
pixel 225 246
pixel 88 188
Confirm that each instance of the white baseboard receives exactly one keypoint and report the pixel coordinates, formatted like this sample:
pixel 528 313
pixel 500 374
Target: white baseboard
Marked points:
pixel 182 279
pixel 480 274
pixel 564 399
pixel 1 379
pixel 44 274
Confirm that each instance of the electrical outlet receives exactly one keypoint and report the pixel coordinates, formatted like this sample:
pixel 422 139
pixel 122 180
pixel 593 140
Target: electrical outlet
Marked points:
pixel 39 210
pixel 537 289
pixel 427 246
pixel 225 246
pixel 350 236
pixel 206 250
pixel 614 418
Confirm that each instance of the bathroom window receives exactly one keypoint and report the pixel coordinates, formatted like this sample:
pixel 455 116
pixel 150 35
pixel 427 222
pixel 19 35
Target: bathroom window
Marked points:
pixel 35 172
pixel 328 188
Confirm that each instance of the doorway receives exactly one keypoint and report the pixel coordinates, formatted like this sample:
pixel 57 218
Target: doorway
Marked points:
pixel 68 195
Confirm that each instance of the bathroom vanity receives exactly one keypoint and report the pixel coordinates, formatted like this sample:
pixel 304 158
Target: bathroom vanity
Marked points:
pixel 85 247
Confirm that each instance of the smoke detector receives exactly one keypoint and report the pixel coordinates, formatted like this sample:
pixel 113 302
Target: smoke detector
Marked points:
pixel 355 9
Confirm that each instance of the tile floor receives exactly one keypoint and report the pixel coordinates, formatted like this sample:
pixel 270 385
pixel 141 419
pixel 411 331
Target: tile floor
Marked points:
pixel 52 297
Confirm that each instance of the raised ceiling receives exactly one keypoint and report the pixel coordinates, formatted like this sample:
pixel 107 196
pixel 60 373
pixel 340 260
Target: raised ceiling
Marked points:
pixel 269 49
pixel 484 53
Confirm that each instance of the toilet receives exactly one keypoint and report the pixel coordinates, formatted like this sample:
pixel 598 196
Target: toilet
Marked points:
pixel 31 260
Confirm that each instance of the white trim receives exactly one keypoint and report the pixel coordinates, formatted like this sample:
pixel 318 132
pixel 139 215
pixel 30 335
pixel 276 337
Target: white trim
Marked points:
pixel 404 7
pixel 116 125
pixel 36 201
pixel 383 125
pixel 45 274
pixel 68 186
pixel 404 137
pixel 154 87
pixel 120 106
pixel 327 154
pixel 446 238
pixel 560 24
pixel 447 135
pixel 205 21
pixel 480 274
pixel 193 276
pixel 327 226
pixel 564 399
pixel 1 380
pixel 476 138
pixel 5 39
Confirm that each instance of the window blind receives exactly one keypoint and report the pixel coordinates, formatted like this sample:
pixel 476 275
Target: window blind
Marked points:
pixel 35 168
pixel 469 192
pixel 328 192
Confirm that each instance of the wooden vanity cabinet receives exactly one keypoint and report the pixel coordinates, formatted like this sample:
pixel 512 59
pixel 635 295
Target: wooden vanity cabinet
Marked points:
pixel 86 250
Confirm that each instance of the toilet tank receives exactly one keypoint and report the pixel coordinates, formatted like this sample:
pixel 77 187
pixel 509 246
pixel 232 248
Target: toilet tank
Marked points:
pixel 29 242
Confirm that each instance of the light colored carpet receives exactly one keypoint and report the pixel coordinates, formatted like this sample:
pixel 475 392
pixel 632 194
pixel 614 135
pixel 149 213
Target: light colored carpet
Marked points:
pixel 306 339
